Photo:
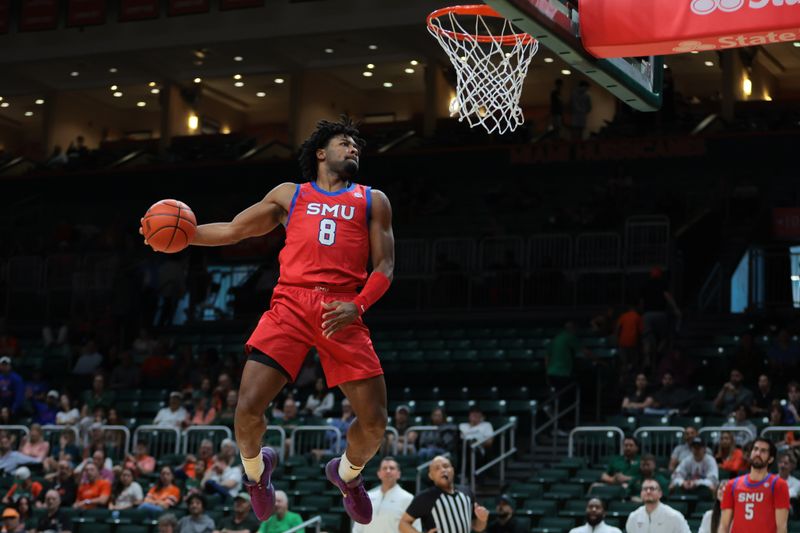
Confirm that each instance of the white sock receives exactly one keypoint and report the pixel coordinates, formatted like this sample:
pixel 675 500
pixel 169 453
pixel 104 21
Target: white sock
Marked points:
pixel 253 467
pixel 347 470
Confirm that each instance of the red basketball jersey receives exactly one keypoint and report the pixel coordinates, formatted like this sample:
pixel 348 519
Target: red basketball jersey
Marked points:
pixel 327 237
pixel 754 504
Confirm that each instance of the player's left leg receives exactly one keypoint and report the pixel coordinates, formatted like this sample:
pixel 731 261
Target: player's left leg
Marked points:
pixel 364 437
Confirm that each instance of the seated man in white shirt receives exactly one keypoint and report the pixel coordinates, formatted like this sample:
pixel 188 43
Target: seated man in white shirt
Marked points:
pixel 595 516
pixel 654 516
pixel 786 465
pixel 174 414
pixel 697 473
pixel 476 428
pixel 389 501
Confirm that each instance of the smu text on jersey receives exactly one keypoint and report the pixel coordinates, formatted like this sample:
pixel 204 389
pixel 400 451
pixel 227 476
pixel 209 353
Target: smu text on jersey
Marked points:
pixel 346 212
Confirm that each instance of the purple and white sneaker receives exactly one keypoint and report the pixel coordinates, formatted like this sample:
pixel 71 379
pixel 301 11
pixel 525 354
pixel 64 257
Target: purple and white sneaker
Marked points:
pixel 356 501
pixel 262 494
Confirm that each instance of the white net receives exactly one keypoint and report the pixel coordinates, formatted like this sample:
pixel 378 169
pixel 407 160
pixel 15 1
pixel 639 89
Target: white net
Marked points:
pixel 491 60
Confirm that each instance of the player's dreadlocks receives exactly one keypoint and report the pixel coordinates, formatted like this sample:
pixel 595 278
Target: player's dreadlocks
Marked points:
pixel 319 139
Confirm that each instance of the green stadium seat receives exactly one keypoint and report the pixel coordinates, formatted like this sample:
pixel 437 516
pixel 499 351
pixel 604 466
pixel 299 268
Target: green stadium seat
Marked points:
pixel 331 521
pixel 550 475
pixel 524 491
pixel 432 344
pixel 622 509
pixel 587 475
pixel 564 491
pixel 537 507
pixel 552 524
pixel 608 492
pixel 571 463
pixel 309 486
pixel 624 422
pixel 316 501
pixel 92 527
pixel 701 507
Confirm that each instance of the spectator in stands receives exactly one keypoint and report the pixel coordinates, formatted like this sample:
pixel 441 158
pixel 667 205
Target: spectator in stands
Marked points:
pixel 443 440
pixel 319 402
pixel 389 500
pixel 223 478
pixel 732 394
pixel 23 486
pixel 103 464
pixel 197 521
pixel 477 429
pixel 556 107
pixel 740 421
pixel 639 399
pixel 580 105
pixel 89 361
pixel 763 397
pixel 669 398
pixel 10 459
pixel 680 367
pixel 748 357
pixel 783 355
pixel 729 456
pixel 54 519
pixel 12 387
pixel 283 519
pixel 6 419
pixel 710 522
pixel 9 344
pixel 126 493
pixel 144 343
pixel 654 516
pixel 23 507
pixel 204 414
pixel 205 455
pixel 98 397
pixel 46 411
pixel 241 520
pixel 34 445
pixel 226 414
pixel 698 473
pixel 164 494
pixel 157 367
pixel 343 424
pixel 560 357
pixel 167 523
pixel 65 450
pixel 656 299
pixel 229 452
pixel 791 412
pixel 444 502
pixel 401 422
pixel 64 484
pixel 174 414
pixel 595 516
pixel 622 468
pixel 94 491
pixel 505 521
pixel 628 332
pixel 58 159
pixel 68 415
pixel 125 375
pixel 786 465
pixel 11 521
pixel 141 462
pixel 35 390
pixel 647 470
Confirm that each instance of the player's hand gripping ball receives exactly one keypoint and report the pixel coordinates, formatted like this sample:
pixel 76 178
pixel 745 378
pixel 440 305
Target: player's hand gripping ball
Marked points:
pixel 168 226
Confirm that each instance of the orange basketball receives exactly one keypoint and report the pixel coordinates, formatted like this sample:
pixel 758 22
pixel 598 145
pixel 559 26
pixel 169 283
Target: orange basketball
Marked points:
pixel 169 226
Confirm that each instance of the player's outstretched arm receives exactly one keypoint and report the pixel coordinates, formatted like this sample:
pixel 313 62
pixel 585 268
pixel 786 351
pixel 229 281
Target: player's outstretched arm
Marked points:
pixel 725 521
pixel 255 221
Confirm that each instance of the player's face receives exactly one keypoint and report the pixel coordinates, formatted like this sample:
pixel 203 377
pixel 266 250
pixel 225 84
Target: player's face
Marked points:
pixel 759 456
pixel 389 472
pixel 342 156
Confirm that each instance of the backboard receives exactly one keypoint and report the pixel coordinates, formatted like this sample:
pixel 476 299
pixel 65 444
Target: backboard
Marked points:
pixel 556 25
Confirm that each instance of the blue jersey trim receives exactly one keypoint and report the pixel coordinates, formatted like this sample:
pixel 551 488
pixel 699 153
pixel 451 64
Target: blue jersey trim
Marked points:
pixel 291 206
pixel 368 192
pixel 334 193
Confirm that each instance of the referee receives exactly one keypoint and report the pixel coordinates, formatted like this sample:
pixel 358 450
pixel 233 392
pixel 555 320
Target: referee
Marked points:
pixel 444 508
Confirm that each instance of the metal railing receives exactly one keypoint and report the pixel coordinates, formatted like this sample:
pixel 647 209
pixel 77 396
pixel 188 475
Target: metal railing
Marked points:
pixel 395 437
pixel 216 433
pixel 714 432
pixel 315 521
pixel 778 429
pixel 19 432
pixel 160 440
pixel 320 442
pixel 659 440
pixel 419 430
pixel 710 295
pixel 52 433
pixel 281 445
pixel 475 445
pixel 552 407
pixel 595 448
pixel 126 437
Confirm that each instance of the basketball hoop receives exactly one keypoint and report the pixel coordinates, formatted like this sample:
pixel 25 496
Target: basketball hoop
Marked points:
pixel 491 59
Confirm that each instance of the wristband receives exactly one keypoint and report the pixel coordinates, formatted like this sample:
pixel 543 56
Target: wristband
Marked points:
pixel 377 285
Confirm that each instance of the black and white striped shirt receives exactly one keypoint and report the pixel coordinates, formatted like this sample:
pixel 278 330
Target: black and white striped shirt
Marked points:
pixel 448 513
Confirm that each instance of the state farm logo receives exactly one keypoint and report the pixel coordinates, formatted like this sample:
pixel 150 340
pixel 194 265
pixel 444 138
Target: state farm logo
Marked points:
pixel 705 7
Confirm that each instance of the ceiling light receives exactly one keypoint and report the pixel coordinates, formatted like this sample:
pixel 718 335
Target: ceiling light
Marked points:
pixel 151 84
pixel 566 72
pixel 238 58
pixel 665 66
pixel 239 84
pixel 695 52
pixel 74 73
pixel 370 65
pixel 1 98
pixel 200 54
pixel 548 59
pixel 198 80
pixel 141 104
pixel 747 86
pixel 796 44
pixel 113 70
pixel 709 63
pixel 329 50
pixel 117 94
pixel 39 101
pixel 414 62
pixel 28 113
pixel 388 84
pixel 225 130
pixel 367 74
pixel 409 70
pixel 373 47
pixel 113 87
pixel 4 104
pixel 768 98
pixel 237 76
pixel 279 80
pixel 155 91
pixel 193 122
pixel 261 94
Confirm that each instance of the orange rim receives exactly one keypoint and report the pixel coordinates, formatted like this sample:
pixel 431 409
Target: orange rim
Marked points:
pixel 480 10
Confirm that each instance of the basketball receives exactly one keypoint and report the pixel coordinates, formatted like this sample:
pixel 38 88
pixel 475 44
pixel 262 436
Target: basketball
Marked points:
pixel 169 226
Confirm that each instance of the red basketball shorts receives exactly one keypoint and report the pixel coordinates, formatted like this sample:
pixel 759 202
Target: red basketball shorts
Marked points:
pixel 293 325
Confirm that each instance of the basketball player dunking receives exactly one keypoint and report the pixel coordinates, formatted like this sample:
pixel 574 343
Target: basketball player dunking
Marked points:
pixel 333 227
pixel 758 501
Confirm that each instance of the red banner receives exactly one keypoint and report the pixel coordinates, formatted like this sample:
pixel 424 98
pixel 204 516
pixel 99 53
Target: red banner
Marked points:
pixel 187 7
pixel 626 28
pixel 86 12
pixel 138 10
pixel 4 15
pixel 239 4
pixel 786 222
pixel 38 15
